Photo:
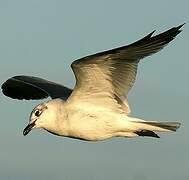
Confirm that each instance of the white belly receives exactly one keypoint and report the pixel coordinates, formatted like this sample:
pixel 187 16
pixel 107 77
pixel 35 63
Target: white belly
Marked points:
pixel 95 126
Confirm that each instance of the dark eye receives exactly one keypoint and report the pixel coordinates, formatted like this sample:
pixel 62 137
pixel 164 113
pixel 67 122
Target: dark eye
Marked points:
pixel 37 113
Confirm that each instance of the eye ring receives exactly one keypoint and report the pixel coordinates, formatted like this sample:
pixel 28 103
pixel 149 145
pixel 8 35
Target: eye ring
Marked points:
pixel 38 113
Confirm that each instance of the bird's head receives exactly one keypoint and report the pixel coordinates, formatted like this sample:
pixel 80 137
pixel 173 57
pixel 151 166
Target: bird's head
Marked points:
pixel 43 116
pixel 37 118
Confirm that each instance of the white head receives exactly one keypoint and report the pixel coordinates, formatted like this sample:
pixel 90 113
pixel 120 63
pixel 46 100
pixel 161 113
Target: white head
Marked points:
pixel 44 116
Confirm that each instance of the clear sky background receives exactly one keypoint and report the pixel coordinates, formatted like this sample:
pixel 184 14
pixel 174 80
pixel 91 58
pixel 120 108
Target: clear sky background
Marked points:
pixel 42 38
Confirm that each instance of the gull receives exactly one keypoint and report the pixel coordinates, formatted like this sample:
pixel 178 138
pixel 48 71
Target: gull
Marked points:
pixel 97 108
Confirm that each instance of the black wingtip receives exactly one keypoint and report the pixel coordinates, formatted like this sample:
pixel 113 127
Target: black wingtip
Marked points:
pixel 178 27
pixel 17 89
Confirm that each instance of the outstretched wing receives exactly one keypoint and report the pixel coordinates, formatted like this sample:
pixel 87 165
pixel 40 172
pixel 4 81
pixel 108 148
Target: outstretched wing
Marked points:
pixel 105 78
pixel 28 87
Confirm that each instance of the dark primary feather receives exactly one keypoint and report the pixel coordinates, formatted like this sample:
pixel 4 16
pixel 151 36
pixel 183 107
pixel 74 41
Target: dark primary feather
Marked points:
pixel 139 49
pixel 28 87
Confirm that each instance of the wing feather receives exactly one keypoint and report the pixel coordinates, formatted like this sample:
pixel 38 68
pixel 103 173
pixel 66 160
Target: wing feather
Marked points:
pixel 29 87
pixel 109 75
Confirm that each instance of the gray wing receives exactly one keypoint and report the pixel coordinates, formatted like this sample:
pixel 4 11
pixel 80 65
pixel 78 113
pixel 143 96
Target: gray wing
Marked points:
pixel 105 78
pixel 28 87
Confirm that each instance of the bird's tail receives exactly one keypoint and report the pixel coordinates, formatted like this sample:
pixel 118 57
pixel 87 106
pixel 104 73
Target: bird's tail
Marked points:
pixel 148 128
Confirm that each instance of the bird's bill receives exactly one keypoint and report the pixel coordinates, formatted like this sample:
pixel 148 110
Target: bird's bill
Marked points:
pixel 28 128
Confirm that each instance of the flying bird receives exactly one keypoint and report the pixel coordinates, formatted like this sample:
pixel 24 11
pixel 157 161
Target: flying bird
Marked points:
pixel 97 108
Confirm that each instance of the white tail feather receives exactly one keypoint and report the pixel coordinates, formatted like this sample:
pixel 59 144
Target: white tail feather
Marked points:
pixel 148 128
pixel 158 126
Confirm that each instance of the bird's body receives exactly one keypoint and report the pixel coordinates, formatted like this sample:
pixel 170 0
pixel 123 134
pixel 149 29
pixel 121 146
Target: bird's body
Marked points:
pixel 97 108
pixel 82 122
pixel 93 123
pixel 89 123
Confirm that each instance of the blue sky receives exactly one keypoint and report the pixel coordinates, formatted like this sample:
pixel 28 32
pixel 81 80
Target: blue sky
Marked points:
pixel 42 38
